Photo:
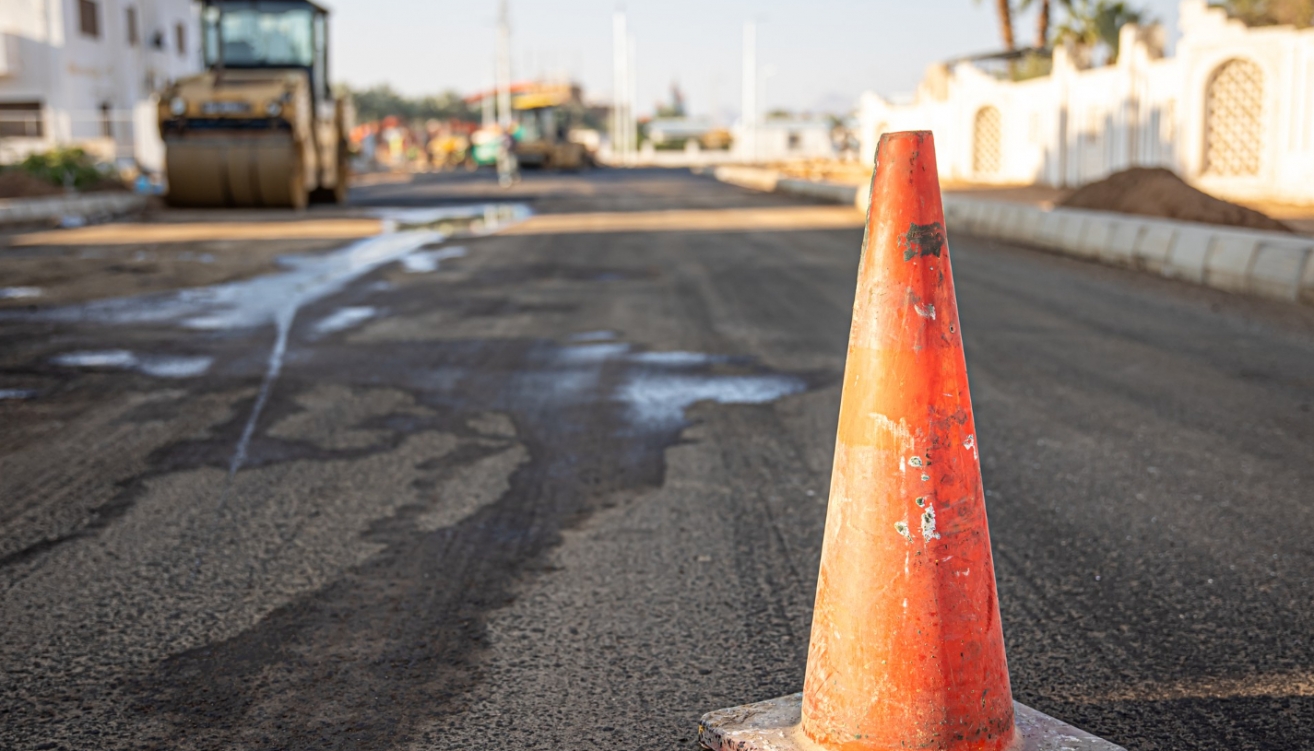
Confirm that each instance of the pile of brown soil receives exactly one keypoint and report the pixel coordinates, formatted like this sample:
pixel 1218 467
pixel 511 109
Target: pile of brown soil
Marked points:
pixel 15 183
pixel 1154 191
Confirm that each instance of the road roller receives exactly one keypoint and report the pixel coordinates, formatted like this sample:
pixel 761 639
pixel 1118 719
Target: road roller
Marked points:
pixel 261 126
pixel 545 115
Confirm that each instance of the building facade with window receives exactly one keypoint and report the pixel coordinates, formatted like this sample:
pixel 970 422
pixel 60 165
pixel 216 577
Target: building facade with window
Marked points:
pixel 84 72
pixel 1232 111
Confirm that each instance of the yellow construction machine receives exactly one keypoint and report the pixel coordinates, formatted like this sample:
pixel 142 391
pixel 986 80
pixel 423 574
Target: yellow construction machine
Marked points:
pixel 260 127
pixel 545 116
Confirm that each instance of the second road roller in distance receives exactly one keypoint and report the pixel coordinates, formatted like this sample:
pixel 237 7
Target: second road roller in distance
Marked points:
pixel 260 127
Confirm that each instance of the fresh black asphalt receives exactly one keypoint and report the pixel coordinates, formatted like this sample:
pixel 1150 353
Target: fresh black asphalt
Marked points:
pixel 566 492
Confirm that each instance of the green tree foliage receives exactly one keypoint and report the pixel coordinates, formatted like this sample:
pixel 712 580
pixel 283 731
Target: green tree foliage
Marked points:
pixel 382 101
pixel 1298 13
pixel 1096 23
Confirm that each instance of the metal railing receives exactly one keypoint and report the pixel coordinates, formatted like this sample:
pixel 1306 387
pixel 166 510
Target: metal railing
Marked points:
pixel 21 124
pixel 110 135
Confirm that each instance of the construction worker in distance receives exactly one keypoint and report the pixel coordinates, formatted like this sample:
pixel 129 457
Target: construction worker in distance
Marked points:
pixel 508 167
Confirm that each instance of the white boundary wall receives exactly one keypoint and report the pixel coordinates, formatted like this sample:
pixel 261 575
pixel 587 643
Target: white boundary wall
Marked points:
pixel 1078 125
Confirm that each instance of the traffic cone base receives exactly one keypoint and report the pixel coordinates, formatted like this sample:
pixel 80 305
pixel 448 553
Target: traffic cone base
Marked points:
pixel 774 725
pixel 907 648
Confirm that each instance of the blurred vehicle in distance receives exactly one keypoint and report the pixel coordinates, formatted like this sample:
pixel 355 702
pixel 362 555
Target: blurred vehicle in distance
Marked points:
pixel 544 120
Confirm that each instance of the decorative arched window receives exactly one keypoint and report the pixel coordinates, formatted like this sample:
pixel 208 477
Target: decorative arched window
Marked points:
pixel 987 141
pixel 1234 124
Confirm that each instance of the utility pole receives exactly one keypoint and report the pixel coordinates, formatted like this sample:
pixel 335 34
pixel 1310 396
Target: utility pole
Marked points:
pixel 620 80
pixel 623 83
pixel 749 103
pixel 631 93
pixel 504 67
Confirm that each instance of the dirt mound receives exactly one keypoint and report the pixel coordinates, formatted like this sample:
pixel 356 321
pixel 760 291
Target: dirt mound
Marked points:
pixel 15 183
pixel 1154 191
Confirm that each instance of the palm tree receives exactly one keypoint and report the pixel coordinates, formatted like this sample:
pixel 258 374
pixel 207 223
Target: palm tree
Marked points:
pixel 1042 25
pixel 1092 23
pixel 1004 8
pixel 1042 21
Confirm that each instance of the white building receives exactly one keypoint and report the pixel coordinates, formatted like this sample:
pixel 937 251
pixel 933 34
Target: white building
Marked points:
pixel 779 139
pixel 83 72
pixel 1232 111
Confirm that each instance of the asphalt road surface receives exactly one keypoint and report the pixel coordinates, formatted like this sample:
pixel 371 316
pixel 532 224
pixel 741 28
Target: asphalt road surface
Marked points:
pixel 563 486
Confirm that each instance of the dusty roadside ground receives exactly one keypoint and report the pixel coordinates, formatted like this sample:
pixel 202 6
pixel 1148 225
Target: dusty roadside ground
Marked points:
pixel 163 250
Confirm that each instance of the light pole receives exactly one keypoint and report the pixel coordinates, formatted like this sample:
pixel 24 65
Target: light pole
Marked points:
pixel 623 136
pixel 504 68
pixel 749 94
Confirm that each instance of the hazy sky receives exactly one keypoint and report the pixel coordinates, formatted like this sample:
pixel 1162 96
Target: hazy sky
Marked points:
pixel 823 52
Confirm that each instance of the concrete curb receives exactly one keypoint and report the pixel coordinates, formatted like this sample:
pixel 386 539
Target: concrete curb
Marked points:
pixel 754 178
pixel 56 208
pixel 1268 264
pixel 757 178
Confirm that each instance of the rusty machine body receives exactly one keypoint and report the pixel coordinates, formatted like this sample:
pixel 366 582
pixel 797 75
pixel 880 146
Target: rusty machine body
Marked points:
pixel 260 127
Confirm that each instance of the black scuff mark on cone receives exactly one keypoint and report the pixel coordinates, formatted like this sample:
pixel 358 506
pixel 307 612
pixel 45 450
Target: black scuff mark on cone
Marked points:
pixel 922 240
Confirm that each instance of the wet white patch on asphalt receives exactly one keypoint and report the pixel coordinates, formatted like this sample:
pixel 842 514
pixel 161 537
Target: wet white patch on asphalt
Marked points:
pixel 673 359
pixel 653 388
pixel 175 367
pixel 249 303
pixel 658 400
pixel 16 394
pixel 592 336
pixel 482 219
pixel 661 388
pixel 656 386
pixel 109 358
pixel 275 298
pixel 18 293
pixel 425 261
pixel 159 366
pixel 589 353
pixel 344 318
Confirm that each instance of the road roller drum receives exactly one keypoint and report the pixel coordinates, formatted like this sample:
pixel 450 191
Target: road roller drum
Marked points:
pixel 260 171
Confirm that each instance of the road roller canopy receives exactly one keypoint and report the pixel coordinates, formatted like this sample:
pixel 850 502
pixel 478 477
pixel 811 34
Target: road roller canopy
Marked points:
pixel 265 34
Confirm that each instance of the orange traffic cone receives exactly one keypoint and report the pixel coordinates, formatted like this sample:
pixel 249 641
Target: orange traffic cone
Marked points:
pixel 907 650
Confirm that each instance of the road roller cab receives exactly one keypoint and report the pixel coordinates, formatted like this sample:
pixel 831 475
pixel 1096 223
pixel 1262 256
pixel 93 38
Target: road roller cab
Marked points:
pixel 260 127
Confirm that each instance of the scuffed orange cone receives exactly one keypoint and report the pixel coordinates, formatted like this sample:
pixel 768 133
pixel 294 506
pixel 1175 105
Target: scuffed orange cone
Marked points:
pixel 907 651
